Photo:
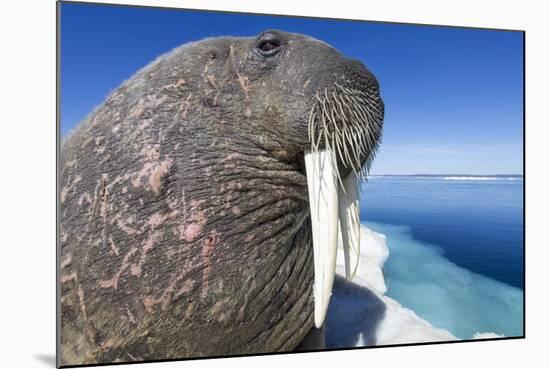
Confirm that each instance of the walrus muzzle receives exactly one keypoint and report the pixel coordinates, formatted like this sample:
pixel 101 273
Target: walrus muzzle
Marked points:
pixel 344 129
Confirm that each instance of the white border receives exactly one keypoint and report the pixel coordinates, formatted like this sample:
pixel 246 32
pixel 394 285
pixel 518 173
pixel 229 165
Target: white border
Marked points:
pixel 27 262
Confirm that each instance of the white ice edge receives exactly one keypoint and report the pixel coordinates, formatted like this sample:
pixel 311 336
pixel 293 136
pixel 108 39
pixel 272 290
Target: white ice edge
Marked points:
pixel 399 324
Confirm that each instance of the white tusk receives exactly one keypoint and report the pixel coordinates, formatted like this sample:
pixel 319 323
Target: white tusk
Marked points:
pixel 323 203
pixel 348 212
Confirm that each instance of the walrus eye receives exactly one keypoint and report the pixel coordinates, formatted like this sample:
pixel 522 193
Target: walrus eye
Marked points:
pixel 269 44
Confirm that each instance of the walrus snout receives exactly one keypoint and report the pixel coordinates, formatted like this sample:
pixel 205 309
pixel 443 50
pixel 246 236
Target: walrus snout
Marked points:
pixel 347 116
pixel 362 78
pixel 360 92
pixel 344 129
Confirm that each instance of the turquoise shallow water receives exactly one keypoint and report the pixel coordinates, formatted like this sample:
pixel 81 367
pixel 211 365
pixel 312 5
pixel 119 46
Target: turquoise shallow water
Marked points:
pixel 456 249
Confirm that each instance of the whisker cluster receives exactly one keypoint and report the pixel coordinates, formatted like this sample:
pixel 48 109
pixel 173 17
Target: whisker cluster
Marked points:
pixel 347 121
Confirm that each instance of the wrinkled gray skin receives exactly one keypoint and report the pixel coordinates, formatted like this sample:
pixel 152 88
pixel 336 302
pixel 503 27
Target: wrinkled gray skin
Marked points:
pixel 185 226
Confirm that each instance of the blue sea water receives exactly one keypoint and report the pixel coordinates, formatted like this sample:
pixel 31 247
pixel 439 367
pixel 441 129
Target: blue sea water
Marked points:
pixel 456 248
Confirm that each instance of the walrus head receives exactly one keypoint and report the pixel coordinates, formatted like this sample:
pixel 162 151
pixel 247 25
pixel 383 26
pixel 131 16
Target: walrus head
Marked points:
pixel 206 193
pixel 325 112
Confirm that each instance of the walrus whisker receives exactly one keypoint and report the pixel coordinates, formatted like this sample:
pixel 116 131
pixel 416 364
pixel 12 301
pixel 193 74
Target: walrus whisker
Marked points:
pixel 365 120
pixel 311 122
pixel 377 115
pixel 374 107
pixel 334 120
pixel 328 147
pixel 346 146
pixel 364 130
pixel 336 172
pixel 325 128
pixel 316 148
pixel 338 102
pixel 351 146
pixel 338 148
pixel 370 119
pixel 357 150
pixel 360 143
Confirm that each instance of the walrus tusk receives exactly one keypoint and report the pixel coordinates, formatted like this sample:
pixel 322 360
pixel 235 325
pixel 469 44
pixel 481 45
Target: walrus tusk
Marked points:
pixel 323 204
pixel 348 212
pixel 329 203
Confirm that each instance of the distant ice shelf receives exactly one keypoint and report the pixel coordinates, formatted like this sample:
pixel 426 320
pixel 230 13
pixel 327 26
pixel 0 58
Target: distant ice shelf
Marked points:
pixel 465 178
pixel 453 177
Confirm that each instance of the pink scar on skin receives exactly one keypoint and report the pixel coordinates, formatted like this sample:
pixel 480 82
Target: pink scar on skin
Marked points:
pixel 80 293
pixel 151 152
pixel 66 261
pixel 148 304
pixel 207 250
pixel 131 317
pixel 69 164
pixel 144 124
pixel 113 282
pixel 135 269
pixel 245 83
pixel 146 168
pixel 190 232
pixel 243 80
pixel 212 80
pixel 68 277
pixel 187 286
pixel 160 100
pixel 138 110
pixel 107 345
pixel 123 225
pixel 155 220
pixel 85 196
pixel 184 106
pixel 103 200
pixel 171 290
pixel 69 187
pixel 158 172
pixel 112 244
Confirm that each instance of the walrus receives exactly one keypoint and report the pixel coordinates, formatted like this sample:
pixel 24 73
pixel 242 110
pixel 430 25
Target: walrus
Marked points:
pixel 200 204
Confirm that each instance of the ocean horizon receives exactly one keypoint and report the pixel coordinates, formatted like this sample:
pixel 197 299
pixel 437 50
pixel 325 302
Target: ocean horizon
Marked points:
pixel 450 175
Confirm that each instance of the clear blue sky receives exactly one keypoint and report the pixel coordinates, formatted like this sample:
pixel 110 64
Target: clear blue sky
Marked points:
pixel 454 97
